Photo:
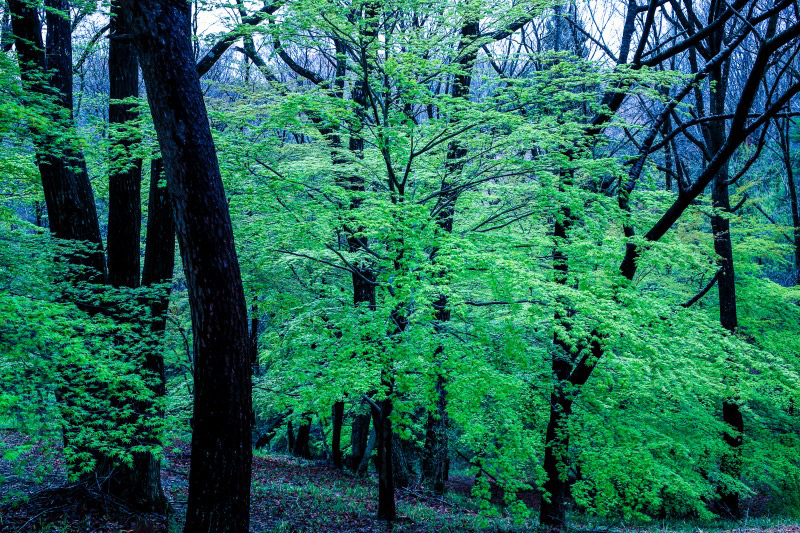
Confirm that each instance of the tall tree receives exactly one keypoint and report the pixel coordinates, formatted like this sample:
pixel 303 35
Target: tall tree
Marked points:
pixel 219 478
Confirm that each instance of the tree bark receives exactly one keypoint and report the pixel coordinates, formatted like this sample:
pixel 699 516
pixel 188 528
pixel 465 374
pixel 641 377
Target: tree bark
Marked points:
pixel 71 211
pixel 68 194
pixel 381 413
pixel 359 433
pixel 553 510
pixel 125 176
pixel 714 133
pixel 301 446
pixel 219 477
pixel 337 418
pixel 435 460
pixel 140 485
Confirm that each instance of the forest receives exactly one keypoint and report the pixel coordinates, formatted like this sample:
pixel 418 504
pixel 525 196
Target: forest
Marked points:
pixel 399 265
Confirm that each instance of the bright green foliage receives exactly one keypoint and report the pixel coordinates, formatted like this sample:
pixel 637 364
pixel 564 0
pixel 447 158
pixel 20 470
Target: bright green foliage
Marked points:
pixel 646 433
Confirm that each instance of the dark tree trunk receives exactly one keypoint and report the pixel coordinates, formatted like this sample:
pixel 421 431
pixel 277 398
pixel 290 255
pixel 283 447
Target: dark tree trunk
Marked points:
pixel 68 194
pixel 402 471
pixel 726 286
pixel 553 510
pixel 363 466
pixel 71 211
pixel 290 436
pixel 302 446
pixel 568 372
pixel 383 462
pixel 785 145
pixel 125 176
pixel 359 434
pixel 219 477
pixel 140 485
pixel 337 418
pixel 714 134
pixel 363 277
pixel 435 460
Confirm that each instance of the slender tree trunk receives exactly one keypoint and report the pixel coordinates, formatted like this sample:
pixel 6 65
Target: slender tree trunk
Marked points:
pixel 359 434
pixel 71 211
pixel 219 477
pixel 556 462
pixel 726 286
pixel 68 194
pixel 363 277
pixel 140 484
pixel 435 461
pixel 553 510
pixel 125 176
pixel 301 446
pixel 785 145
pixel 383 428
pixel 714 134
pixel 337 418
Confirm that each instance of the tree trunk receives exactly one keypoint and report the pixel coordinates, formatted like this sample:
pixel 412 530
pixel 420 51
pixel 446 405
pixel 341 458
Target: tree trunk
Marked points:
pixel 726 286
pixel 714 134
pixel 301 446
pixel 435 452
pixel 786 149
pixel 435 461
pixel 359 433
pixel 363 466
pixel 219 477
pixel 383 463
pixel 140 485
pixel 69 199
pixel 337 418
pixel 553 514
pixel 68 194
pixel 125 176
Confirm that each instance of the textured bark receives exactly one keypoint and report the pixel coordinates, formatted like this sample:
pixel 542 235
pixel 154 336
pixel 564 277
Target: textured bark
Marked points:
pixel 402 472
pixel 71 212
pixel 140 485
pixel 337 419
pixel 785 145
pixel 359 433
pixel 435 458
pixel 387 509
pixel 68 194
pixel 714 135
pixel 301 447
pixel 125 177
pixel 219 477
pixel 553 509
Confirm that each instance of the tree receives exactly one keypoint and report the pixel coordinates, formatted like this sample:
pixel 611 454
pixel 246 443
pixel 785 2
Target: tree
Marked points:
pixel 219 490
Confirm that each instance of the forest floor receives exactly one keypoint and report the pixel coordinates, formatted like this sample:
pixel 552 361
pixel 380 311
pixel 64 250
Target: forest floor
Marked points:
pixel 288 495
